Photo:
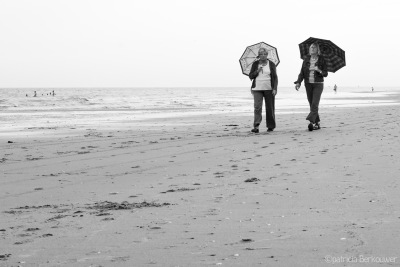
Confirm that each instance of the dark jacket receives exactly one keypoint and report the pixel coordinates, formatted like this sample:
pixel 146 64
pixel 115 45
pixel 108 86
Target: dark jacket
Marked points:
pixel 305 70
pixel 254 73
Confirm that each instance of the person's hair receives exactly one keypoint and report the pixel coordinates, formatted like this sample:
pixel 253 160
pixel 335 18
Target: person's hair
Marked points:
pixel 317 45
pixel 263 49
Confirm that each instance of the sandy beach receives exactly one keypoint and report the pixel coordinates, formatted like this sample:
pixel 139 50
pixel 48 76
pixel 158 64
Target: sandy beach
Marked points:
pixel 201 190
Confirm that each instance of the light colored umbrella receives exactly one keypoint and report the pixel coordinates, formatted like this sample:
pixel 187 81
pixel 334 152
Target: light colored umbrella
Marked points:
pixel 250 55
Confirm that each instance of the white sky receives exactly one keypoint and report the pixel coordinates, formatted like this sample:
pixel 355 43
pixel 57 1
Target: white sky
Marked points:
pixel 166 43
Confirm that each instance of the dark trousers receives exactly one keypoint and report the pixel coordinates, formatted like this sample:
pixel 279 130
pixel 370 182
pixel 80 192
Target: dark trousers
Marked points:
pixel 269 108
pixel 314 92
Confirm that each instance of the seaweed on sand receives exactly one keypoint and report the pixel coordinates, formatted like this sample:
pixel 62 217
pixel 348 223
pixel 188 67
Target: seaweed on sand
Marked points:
pixel 125 205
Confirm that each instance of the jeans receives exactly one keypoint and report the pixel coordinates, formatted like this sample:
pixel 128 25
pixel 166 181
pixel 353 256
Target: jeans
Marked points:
pixel 314 92
pixel 269 108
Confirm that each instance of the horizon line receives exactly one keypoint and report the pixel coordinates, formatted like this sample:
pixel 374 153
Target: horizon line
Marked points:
pixel 138 87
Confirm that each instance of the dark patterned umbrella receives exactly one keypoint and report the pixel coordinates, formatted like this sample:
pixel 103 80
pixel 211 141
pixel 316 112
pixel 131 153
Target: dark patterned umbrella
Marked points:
pixel 250 55
pixel 333 54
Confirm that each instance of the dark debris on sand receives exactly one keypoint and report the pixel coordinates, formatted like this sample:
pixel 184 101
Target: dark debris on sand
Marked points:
pixel 98 209
pixel 20 210
pixel 4 257
pixel 125 205
pixel 179 190
pixel 252 180
pixel 40 207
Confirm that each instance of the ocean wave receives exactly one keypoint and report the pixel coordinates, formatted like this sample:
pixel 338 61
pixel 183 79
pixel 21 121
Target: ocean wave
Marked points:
pixel 45 103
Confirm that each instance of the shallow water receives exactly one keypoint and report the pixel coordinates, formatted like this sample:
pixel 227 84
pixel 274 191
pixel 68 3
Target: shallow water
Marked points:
pixel 96 106
pixel 161 99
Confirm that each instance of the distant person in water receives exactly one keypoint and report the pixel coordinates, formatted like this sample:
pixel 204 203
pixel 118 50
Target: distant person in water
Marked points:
pixel 313 70
pixel 264 86
pixel 372 89
pixel 335 88
pixel 34 93
pixel 53 92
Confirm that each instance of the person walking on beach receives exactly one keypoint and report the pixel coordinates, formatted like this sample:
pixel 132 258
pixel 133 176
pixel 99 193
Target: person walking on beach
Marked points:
pixel 264 86
pixel 313 70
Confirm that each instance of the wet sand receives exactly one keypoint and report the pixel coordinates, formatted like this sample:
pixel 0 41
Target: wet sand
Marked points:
pixel 203 191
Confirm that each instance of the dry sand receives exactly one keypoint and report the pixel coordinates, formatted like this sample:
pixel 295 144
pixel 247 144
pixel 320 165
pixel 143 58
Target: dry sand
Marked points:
pixel 174 192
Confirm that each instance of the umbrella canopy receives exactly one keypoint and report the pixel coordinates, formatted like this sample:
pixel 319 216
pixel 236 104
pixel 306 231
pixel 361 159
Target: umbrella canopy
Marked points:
pixel 333 54
pixel 250 55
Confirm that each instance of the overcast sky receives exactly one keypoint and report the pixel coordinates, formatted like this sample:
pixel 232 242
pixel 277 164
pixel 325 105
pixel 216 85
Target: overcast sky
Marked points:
pixel 167 43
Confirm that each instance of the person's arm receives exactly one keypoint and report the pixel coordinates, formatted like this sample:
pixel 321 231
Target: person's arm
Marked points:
pixel 254 71
pixel 324 69
pixel 300 77
pixel 273 72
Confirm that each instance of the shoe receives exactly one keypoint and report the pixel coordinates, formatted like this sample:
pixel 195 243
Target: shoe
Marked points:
pixel 255 130
pixel 310 127
pixel 270 130
pixel 317 126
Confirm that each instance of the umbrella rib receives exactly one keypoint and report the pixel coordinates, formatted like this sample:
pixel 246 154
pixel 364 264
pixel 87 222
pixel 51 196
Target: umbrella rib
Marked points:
pixel 253 52
pixel 253 62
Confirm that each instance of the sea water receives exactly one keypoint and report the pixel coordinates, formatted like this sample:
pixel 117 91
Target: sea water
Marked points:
pixel 71 105
pixel 156 99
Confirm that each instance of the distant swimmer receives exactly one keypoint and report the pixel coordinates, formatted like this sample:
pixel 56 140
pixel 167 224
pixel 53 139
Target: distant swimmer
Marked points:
pixel 34 94
pixel 372 89
pixel 53 93
pixel 335 88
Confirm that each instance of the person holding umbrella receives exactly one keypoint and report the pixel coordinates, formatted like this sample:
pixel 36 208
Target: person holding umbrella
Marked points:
pixel 264 86
pixel 313 71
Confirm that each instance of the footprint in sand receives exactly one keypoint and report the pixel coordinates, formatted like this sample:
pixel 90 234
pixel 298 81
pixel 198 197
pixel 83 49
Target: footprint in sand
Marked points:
pixel 218 199
pixel 218 174
pixel 32 229
pixel 120 259
pixel 46 235
pixel 252 180
pixel 4 257
pixel 23 242
pixel 213 212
